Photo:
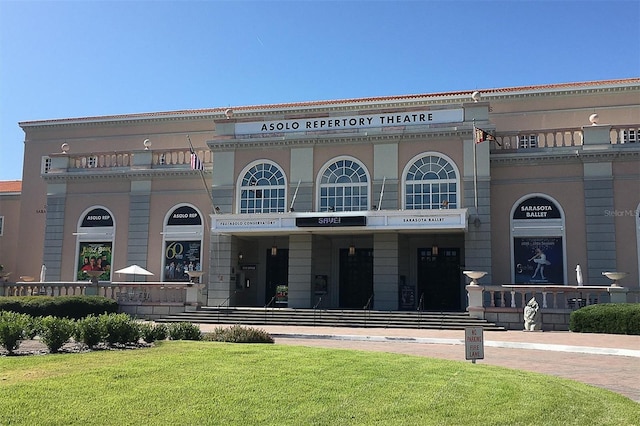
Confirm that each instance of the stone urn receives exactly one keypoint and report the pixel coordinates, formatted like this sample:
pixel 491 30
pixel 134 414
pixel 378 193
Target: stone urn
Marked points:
pixel 615 277
pixel 475 276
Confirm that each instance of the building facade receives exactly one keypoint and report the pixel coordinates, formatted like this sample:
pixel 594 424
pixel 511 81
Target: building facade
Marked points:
pixel 377 202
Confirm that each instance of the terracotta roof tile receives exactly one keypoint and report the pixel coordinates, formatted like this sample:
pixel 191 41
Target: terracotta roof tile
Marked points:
pixel 10 186
pixel 220 110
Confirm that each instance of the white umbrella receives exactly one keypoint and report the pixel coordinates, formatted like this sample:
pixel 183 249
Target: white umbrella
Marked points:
pixel 134 270
pixel 579 275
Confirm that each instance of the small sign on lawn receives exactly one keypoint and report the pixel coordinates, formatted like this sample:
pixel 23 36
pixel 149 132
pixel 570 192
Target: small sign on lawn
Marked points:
pixel 474 343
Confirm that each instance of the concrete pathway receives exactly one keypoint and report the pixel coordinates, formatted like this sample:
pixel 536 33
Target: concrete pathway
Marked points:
pixel 605 360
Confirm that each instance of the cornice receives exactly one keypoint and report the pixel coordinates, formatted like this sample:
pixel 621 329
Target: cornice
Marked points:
pixel 353 139
pixel 534 156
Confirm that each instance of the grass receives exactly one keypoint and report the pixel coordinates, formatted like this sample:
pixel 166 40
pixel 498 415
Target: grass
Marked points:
pixel 199 383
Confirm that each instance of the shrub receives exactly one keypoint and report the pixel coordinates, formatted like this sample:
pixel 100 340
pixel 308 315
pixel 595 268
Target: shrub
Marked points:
pixel 120 329
pixel 184 331
pixel 239 334
pixel 13 330
pixel 152 332
pixel 75 307
pixel 90 330
pixel 611 318
pixel 55 332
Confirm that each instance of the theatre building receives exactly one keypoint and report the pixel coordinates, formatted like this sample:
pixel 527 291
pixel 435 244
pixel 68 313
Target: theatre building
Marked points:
pixel 376 202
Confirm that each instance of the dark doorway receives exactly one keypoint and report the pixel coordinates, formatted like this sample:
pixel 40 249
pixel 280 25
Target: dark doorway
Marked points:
pixel 356 278
pixel 439 279
pixel 277 272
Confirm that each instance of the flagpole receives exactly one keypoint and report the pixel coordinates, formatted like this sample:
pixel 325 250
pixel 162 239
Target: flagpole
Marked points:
pixel 295 194
pixel 475 168
pixel 204 181
pixel 384 179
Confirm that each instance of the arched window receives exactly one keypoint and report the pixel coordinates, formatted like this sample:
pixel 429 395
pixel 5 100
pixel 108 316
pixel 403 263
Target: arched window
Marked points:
pixel 538 252
pixel 344 186
pixel 182 243
pixel 94 244
pixel 262 189
pixel 431 182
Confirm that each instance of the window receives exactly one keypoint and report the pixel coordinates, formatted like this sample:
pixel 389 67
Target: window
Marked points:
pixel 46 164
pixel 344 187
pixel 527 141
pixel 1 225
pixel 262 189
pixel 630 136
pixel 431 182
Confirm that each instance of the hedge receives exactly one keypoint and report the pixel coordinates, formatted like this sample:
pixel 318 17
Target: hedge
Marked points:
pixel 608 318
pixel 73 307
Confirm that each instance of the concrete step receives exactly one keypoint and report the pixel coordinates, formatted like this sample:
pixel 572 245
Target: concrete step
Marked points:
pixel 332 318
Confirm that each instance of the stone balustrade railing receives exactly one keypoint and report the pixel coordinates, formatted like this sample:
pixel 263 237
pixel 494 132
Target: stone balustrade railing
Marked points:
pixel 157 158
pixel 567 137
pixel 125 293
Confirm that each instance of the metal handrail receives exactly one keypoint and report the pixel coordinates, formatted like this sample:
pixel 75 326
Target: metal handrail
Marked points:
pixel 367 309
pixel 420 308
pixel 222 304
pixel 315 308
pixel 318 304
pixel 368 305
pixel 421 303
pixel 273 299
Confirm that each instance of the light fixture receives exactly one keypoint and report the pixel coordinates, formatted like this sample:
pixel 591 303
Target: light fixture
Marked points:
pixel 274 250
pixel 434 250
pixel 352 250
pixel 147 144
pixel 240 256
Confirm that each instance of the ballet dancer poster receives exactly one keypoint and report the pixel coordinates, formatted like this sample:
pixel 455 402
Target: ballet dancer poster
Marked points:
pixel 538 260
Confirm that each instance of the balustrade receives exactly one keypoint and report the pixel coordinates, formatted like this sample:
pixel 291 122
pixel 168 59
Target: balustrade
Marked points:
pixel 125 293
pixel 549 297
pixel 161 158
pixel 551 138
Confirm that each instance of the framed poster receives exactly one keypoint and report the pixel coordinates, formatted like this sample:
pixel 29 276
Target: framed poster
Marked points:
pixel 180 257
pixel 94 256
pixel 538 260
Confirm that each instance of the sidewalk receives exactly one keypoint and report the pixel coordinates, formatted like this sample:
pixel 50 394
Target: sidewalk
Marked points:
pixel 605 360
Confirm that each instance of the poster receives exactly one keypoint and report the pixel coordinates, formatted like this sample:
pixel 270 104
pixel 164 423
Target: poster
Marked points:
pixel 94 256
pixel 180 257
pixel 538 260
pixel 406 296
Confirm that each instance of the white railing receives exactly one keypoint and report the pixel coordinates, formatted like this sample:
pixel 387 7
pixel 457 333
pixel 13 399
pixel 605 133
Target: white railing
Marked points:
pixel 550 296
pixel 568 137
pixel 125 293
pixel 159 158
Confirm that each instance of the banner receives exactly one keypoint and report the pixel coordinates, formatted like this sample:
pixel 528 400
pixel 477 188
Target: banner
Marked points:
pixel 180 257
pixel 538 260
pixel 95 256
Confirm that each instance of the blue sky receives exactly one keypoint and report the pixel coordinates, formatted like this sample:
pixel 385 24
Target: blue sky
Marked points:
pixel 61 59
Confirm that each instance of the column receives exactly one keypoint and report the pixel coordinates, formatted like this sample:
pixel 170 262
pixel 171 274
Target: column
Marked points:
pixel 385 271
pixel 300 279
pixel 54 230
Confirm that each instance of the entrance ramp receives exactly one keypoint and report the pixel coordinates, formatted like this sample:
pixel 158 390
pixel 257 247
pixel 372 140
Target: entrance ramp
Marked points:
pixel 332 318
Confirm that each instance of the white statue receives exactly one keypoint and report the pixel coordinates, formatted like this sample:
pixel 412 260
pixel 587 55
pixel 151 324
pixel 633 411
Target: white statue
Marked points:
pixel 532 316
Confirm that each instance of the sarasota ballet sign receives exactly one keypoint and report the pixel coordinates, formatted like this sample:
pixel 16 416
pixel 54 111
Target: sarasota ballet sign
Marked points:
pixel 354 122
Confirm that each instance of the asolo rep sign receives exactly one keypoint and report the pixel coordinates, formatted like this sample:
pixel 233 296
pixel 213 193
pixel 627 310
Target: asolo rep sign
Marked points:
pixel 408 118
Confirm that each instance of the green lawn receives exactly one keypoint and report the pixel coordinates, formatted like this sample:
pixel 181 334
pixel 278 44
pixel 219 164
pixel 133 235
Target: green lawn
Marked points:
pixel 198 383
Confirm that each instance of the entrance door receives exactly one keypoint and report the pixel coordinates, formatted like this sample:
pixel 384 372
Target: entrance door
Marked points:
pixel 356 278
pixel 277 272
pixel 439 279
